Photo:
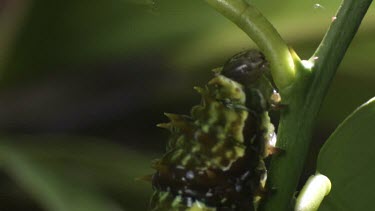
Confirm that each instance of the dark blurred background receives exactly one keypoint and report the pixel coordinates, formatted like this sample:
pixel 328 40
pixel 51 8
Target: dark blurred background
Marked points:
pixel 83 84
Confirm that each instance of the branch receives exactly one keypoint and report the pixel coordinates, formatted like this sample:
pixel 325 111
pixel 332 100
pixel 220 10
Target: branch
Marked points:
pixel 303 85
pixel 333 47
pixel 304 100
pixel 261 31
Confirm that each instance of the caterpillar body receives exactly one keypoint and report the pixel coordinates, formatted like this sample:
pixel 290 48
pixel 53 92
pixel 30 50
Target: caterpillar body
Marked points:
pixel 215 156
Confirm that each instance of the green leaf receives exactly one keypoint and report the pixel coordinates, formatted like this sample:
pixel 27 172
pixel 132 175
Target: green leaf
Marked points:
pixel 76 175
pixel 52 192
pixel 347 160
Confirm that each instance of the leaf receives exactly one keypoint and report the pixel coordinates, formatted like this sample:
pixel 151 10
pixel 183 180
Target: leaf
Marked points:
pixel 47 188
pixel 77 175
pixel 347 160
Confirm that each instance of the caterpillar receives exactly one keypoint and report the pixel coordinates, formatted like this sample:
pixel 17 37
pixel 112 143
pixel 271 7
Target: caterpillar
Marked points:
pixel 214 158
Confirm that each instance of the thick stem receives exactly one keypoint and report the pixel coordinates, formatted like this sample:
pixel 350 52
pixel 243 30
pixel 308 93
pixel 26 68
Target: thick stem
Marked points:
pixel 303 85
pixel 261 31
pixel 304 101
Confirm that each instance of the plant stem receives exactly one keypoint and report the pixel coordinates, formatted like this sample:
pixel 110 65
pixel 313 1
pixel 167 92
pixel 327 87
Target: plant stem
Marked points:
pixel 304 100
pixel 302 87
pixel 261 31
pixel 332 49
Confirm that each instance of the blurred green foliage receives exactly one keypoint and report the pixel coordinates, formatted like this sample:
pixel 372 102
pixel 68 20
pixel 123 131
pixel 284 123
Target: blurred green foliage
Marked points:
pixel 113 67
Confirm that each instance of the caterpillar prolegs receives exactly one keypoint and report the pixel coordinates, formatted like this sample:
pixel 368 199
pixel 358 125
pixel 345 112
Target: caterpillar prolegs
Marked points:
pixel 215 156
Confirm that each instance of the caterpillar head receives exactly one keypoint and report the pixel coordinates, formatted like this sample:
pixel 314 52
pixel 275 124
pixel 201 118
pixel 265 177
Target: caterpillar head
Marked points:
pixel 246 67
pixel 251 69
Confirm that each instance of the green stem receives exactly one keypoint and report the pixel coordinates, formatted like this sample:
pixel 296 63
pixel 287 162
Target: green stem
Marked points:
pixel 261 31
pixel 303 87
pixel 304 100
pixel 332 49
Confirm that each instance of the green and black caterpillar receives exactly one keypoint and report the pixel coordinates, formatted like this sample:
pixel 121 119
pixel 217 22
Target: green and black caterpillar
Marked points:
pixel 215 156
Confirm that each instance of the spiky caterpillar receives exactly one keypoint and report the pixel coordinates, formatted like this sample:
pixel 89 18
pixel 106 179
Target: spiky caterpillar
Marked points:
pixel 215 156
